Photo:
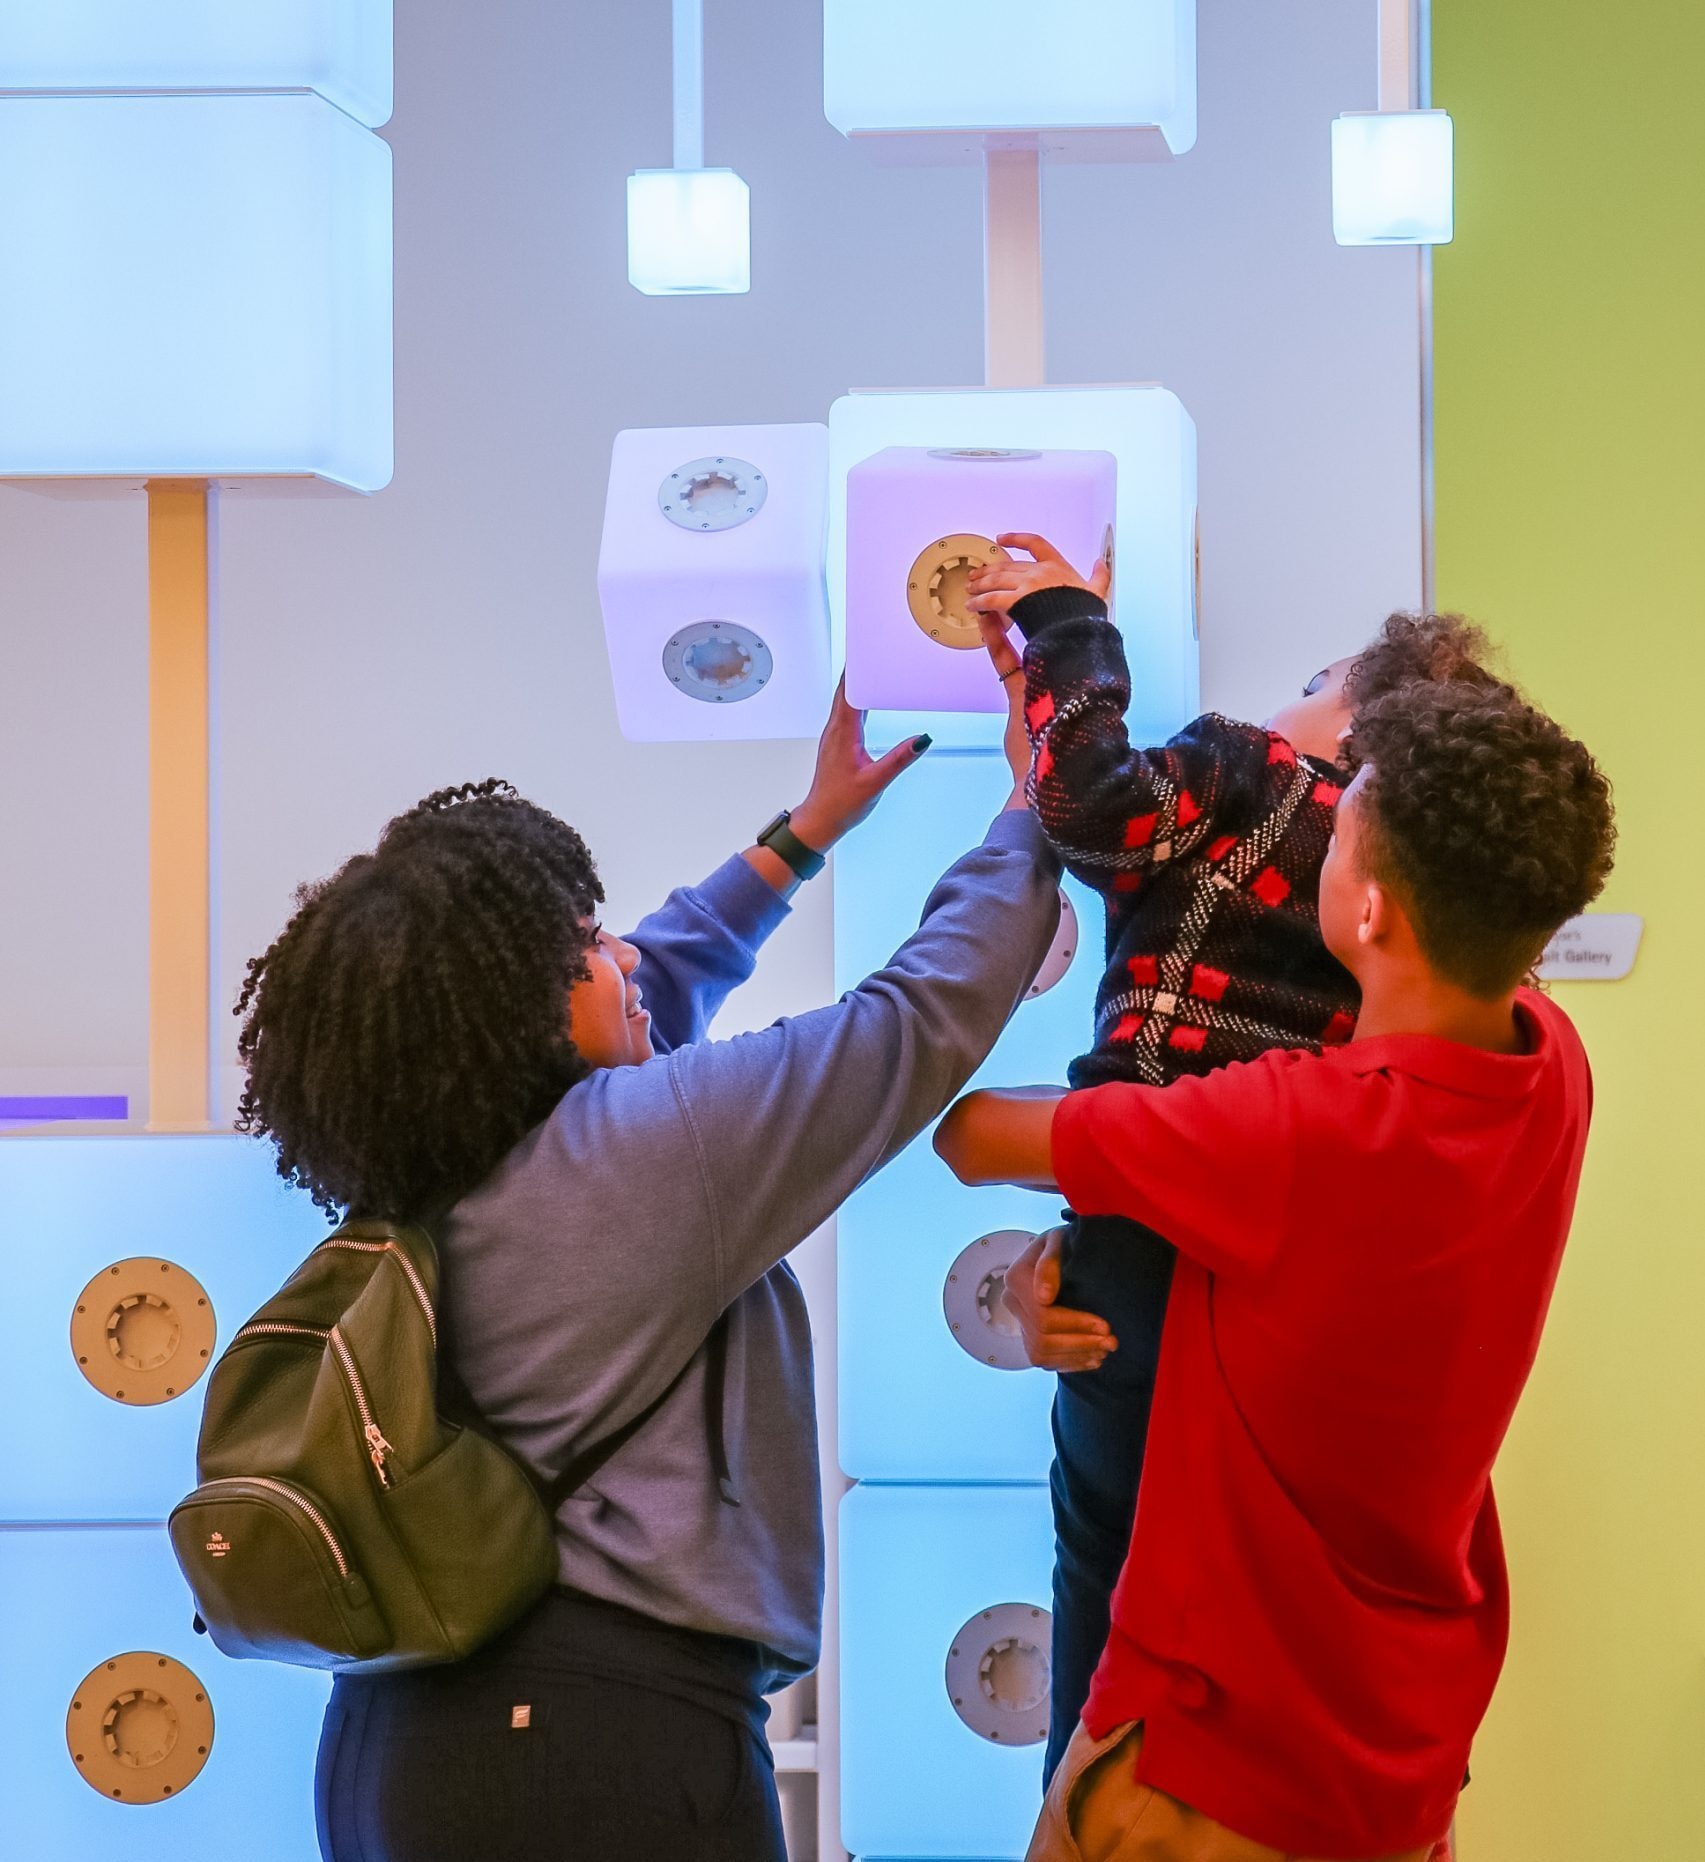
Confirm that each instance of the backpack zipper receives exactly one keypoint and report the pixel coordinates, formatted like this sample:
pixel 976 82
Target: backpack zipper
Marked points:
pixel 408 1267
pixel 378 1449
pixel 303 1504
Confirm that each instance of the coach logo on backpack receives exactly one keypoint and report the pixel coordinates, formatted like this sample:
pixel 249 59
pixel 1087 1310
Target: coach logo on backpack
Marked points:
pixel 218 1545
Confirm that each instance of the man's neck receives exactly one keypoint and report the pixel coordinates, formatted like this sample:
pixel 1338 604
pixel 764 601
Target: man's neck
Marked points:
pixel 1404 1003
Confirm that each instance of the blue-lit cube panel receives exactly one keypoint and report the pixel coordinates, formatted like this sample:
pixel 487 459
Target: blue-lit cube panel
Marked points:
pixel 914 1405
pixel 339 48
pixel 195 286
pixel 892 68
pixel 689 232
pixel 918 1563
pixel 75 1599
pixel 1394 178
pixel 70 1207
pixel 1153 441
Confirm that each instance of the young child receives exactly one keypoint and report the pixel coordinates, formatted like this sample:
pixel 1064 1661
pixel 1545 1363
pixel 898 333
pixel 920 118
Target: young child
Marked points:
pixel 1207 851
pixel 1314 1610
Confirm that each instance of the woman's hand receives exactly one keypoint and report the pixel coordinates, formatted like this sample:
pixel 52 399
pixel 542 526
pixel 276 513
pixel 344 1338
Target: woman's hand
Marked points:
pixel 994 590
pixel 1009 669
pixel 1055 1337
pixel 848 782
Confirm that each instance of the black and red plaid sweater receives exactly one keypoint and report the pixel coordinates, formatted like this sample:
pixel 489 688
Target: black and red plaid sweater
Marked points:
pixel 1207 851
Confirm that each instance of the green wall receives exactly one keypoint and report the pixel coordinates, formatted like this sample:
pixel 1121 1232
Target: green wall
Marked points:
pixel 1570 447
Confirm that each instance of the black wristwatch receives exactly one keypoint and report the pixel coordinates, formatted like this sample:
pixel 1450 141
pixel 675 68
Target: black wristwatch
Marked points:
pixel 790 849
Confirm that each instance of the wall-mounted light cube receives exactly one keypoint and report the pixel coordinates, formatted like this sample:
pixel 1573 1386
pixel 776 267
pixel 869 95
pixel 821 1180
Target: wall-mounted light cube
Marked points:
pixel 710 576
pixel 1105 78
pixel 689 232
pixel 339 48
pixel 1153 441
pixel 195 285
pixel 929 1580
pixel 1393 174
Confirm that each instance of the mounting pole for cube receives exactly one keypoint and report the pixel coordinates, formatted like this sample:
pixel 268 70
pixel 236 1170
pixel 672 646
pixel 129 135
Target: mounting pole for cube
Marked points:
pixel 688 52
pixel 1013 354
pixel 182 585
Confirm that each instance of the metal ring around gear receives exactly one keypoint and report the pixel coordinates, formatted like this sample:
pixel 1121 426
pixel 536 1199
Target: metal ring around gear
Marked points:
pixel 139 1728
pixel 143 1331
pixel 717 662
pixel 998 1673
pixel 976 1315
pixel 716 493
pixel 1060 953
pixel 936 587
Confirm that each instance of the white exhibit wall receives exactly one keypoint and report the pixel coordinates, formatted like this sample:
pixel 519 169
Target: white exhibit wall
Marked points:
pixel 373 649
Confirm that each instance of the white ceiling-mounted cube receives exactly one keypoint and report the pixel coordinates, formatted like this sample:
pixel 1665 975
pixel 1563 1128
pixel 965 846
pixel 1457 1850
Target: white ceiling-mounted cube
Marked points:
pixel 710 576
pixel 1393 178
pixel 195 285
pixel 943 1587
pixel 339 48
pixel 920 521
pixel 1153 441
pixel 1092 80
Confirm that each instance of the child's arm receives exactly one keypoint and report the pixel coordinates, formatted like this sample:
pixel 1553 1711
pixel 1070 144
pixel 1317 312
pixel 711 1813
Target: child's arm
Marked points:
pixel 1111 809
pixel 1001 1136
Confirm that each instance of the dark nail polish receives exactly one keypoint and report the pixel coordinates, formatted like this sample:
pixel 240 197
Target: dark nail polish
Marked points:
pixel 921 744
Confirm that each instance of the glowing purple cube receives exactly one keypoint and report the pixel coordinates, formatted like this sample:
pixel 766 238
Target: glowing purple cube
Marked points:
pixel 710 576
pixel 919 520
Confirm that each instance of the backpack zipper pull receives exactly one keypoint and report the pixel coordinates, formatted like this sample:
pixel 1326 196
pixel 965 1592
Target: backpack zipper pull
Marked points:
pixel 378 1448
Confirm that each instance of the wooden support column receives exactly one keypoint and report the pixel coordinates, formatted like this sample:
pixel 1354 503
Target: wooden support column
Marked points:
pixel 1012 266
pixel 182 546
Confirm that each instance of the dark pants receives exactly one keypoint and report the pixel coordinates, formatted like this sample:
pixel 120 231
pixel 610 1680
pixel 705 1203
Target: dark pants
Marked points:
pixel 1122 1272
pixel 590 1733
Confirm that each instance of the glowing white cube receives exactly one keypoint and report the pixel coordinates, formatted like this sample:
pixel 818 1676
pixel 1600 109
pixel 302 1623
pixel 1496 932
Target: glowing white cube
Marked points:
pixel 1393 178
pixel 1111 75
pixel 919 1565
pixel 1153 441
pixel 689 232
pixel 195 285
pixel 339 48
pixel 710 576
pixel 920 519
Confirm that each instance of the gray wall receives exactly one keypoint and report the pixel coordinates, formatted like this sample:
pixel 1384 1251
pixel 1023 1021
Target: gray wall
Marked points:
pixel 446 629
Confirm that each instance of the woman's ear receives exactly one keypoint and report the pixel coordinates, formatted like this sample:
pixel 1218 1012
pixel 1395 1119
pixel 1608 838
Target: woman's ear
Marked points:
pixel 1375 920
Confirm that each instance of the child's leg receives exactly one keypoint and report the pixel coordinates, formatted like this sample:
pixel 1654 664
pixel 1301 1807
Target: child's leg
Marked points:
pixel 1120 1271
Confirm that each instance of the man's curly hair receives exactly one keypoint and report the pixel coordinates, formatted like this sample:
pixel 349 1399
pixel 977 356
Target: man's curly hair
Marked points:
pixel 410 1023
pixel 1446 648
pixel 1492 825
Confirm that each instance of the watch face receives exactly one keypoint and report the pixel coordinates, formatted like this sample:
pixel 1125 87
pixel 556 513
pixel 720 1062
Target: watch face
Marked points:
pixel 780 821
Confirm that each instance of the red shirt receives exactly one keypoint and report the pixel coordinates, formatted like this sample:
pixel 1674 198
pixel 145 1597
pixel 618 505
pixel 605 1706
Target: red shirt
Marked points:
pixel 1314 1610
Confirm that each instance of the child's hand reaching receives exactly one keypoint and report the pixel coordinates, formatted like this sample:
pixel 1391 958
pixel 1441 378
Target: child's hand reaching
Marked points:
pixel 995 589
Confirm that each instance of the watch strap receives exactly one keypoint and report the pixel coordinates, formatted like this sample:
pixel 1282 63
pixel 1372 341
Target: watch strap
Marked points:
pixel 793 853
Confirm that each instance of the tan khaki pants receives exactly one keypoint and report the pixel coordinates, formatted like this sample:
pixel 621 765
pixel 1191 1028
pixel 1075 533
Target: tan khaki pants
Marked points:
pixel 1097 1812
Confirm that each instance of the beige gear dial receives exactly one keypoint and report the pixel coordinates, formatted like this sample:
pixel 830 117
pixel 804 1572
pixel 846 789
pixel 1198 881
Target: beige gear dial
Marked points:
pixel 139 1728
pixel 142 1330
pixel 937 587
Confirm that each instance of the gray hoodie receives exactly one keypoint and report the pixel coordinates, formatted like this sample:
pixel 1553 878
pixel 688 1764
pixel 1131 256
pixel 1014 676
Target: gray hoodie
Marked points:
pixel 586 1272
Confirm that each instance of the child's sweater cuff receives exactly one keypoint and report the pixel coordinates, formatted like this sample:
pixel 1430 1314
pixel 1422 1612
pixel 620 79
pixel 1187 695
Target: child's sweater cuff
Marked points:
pixel 1048 607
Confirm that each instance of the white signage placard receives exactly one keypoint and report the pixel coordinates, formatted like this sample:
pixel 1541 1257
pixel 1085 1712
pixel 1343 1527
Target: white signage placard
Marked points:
pixel 1598 947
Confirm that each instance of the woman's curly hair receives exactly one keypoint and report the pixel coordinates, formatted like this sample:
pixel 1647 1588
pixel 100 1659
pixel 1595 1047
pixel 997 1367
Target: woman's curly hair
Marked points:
pixel 1489 821
pixel 410 1023
pixel 1440 648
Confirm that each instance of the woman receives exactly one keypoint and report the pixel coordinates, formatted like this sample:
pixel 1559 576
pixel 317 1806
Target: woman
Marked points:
pixel 444 1032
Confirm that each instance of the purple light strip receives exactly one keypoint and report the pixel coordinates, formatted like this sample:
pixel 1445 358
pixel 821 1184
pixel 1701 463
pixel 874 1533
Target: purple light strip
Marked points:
pixel 52 1108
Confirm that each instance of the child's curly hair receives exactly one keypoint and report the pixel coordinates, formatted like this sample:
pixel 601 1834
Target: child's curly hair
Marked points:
pixel 1491 824
pixel 1437 648
pixel 410 1023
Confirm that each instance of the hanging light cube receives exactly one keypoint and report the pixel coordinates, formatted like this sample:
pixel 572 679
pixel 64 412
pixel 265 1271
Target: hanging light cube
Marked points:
pixel 338 48
pixel 195 285
pixel 1103 78
pixel 1393 175
pixel 689 232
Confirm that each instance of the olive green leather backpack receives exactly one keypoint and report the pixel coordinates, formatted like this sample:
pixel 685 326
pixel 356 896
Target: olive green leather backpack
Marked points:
pixel 342 1520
